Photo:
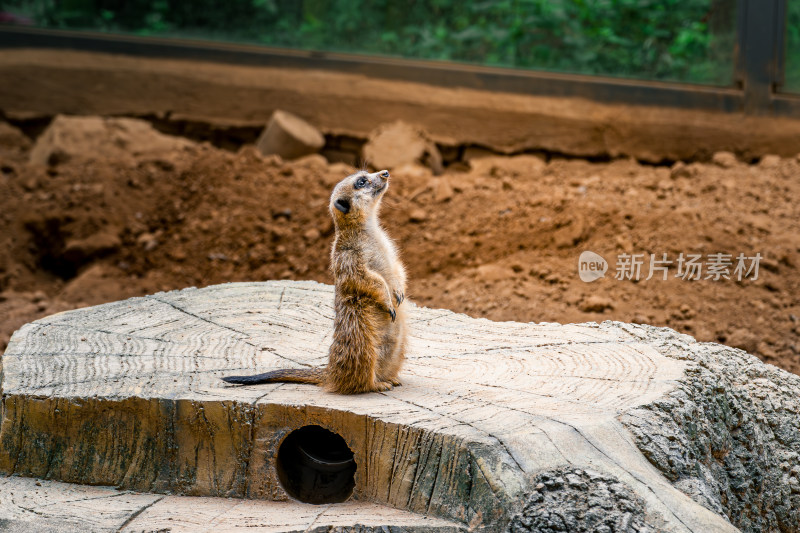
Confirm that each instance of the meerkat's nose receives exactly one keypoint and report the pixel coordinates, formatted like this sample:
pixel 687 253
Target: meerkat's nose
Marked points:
pixel 384 174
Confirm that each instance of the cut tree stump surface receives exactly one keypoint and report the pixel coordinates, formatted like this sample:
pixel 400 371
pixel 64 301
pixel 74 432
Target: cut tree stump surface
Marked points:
pixel 31 506
pixel 492 417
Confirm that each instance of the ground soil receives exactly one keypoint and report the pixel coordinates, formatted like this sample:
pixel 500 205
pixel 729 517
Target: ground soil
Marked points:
pixel 191 95
pixel 499 238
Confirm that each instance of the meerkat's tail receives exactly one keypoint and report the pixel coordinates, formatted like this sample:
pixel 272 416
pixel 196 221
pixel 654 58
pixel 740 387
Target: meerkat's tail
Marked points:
pixel 313 376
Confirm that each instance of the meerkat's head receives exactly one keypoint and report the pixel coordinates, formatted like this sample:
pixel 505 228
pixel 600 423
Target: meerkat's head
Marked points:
pixel 359 195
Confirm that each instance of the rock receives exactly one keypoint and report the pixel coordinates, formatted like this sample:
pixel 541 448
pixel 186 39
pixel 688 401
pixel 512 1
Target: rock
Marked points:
pixel 289 136
pixel 413 171
pixel 393 145
pixel 312 161
pixel 334 175
pixel 38 296
pixel 122 139
pixel 595 304
pixel 418 215
pixel 279 233
pixel 493 272
pixel 770 161
pixel 679 170
pixel 766 351
pixel 571 233
pixel 12 139
pixel 30 184
pixel 312 235
pixel 88 286
pixel 250 154
pixel 742 339
pixel 282 213
pixel 178 254
pixel 664 185
pixel 416 179
pixel 442 191
pixel 687 312
pixel 101 243
pixel 724 159
pixel 148 241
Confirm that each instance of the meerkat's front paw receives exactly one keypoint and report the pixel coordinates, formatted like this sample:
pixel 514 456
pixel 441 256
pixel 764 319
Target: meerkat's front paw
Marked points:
pixel 382 386
pixel 399 296
pixel 388 303
pixel 395 382
pixel 388 306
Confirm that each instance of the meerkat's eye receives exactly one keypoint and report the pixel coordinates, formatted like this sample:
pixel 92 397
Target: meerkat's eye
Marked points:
pixel 361 182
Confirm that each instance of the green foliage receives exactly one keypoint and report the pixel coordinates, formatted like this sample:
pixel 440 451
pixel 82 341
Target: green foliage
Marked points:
pixel 687 40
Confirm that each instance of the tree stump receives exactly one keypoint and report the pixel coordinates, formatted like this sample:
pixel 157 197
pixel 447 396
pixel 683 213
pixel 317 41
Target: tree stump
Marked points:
pixel 289 136
pixel 498 425
pixel 31 506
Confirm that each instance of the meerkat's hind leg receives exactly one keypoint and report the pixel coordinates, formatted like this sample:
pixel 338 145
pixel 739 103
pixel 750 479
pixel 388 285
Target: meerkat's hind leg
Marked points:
pixel 399 352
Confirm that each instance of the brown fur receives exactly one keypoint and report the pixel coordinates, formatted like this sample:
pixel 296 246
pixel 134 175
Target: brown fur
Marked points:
pixel 369 328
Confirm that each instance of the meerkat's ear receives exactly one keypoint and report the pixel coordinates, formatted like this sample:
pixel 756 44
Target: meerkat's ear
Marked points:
pixel 343 205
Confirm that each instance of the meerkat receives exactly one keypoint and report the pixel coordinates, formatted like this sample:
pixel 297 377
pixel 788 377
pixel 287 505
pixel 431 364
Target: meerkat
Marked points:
pixel 369 326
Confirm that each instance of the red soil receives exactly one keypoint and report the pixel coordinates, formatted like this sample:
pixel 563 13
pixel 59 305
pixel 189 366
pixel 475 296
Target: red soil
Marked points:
pixel 499 240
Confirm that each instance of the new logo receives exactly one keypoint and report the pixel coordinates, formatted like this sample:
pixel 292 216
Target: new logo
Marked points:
pixel 591 266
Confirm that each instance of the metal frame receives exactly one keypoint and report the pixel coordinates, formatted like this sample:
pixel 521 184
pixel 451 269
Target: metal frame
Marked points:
pixel 760 62
pixel 758 73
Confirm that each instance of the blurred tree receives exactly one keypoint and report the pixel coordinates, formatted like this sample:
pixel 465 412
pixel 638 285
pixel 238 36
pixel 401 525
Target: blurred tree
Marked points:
pixel 685 40
pixel 792 64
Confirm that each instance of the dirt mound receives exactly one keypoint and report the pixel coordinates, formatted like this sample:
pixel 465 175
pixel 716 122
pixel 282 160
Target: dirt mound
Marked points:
pixel 102 138
pixel 500 240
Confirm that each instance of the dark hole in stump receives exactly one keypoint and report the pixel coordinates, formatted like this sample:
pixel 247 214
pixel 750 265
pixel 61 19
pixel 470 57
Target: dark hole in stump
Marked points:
pixel 316 466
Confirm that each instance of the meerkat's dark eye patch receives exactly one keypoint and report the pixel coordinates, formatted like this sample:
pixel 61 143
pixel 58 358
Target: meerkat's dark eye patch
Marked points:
pixel 343 205
pixel 360 182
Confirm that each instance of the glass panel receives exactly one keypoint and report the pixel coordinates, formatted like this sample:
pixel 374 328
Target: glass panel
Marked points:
pixel 792 64
pixel 681 40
